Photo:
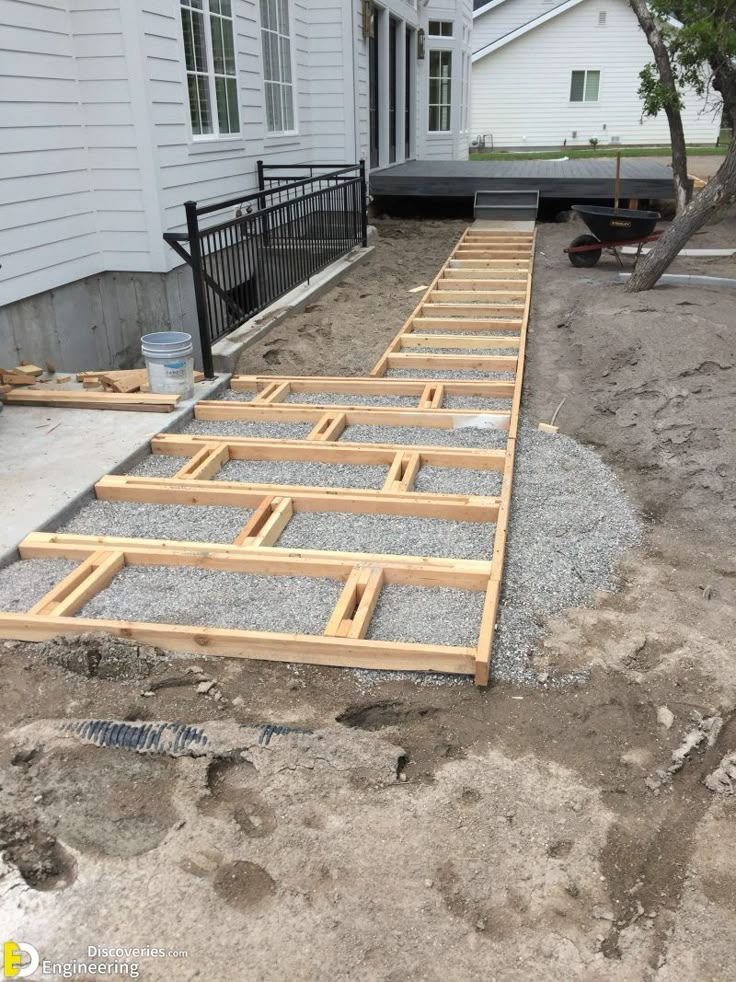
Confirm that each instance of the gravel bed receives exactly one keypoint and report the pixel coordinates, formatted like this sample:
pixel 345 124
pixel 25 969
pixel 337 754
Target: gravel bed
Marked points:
pixel 140 520
pixel 570 524
pixel 453 350
pixel 306 472
pixel 22 584
pixel 481 403
pixel 462 375
pixel 230 395
pixel 466 437
pixel 187 595
pixel 427 615
pixel 250 430
pixel 494 332
pixel 158 465
pixel 353 399
pixel 394 534
pixel 457 480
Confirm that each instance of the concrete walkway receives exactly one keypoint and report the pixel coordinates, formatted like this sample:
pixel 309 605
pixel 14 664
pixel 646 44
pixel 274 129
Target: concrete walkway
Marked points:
pixel 54 457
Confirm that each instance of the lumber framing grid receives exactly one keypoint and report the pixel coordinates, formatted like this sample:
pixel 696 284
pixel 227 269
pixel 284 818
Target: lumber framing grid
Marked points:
pixel 483 293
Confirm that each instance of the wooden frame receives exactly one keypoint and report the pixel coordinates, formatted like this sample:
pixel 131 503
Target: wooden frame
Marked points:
pixel 142 402
pixel 485 267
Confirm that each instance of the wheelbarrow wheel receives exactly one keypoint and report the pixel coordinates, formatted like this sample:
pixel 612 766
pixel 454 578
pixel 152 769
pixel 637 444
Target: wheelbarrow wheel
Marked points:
pixel 584 260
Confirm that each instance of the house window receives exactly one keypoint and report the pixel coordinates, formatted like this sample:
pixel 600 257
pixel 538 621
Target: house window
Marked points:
pixel 440 90
pixel 209 52
pixel 584 86
pixel 277 74
pixel 440 29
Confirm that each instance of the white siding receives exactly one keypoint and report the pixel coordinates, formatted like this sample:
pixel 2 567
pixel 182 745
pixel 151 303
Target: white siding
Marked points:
pixel 72 188
pixel 506 17
pixel 113 132
pixel 521 92
pixel 96 151
pixel 454 144
pixel 208 170
pixel 47 227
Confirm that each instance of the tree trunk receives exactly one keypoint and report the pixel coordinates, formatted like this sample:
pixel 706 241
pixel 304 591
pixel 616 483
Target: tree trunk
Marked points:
pixel 719 191
pixel 672 111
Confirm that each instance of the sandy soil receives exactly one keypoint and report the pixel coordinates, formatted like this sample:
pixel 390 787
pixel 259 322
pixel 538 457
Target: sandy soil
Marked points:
pixel 431 832
pixel 347 330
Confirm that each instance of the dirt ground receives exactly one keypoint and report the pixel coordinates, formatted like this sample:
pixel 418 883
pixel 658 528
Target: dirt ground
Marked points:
pixel 430 831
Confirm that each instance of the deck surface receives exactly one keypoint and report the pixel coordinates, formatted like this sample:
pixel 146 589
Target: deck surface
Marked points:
pixel 640 178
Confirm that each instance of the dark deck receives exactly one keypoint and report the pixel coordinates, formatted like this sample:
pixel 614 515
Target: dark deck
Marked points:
pixel 571 179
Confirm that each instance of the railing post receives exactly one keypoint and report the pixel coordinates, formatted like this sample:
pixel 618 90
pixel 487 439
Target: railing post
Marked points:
pixel 364 204
pixel 199 298
pixel 264 223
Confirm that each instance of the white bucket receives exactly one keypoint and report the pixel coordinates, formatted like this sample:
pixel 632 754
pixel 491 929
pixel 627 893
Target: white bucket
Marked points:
pixel 169 359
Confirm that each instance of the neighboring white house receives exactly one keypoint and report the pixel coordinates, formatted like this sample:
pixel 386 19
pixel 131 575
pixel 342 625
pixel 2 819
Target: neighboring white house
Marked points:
pixel 553 74
pixel 115 112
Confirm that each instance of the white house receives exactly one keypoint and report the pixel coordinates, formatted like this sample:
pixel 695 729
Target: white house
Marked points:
pixel 552 74
pixel 115 112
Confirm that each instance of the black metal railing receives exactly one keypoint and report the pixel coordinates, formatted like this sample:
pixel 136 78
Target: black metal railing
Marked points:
pixel 301 219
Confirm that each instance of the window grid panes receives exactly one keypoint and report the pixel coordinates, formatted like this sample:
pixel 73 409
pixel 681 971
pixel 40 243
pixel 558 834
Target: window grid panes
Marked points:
pixel 440 90
pixel 209 52
pixel 277 75
pixel 440 28
pixel 585 86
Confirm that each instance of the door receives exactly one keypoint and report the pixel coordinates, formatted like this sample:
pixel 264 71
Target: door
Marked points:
pixel 393 86
pixel 373 70
pixel 408 92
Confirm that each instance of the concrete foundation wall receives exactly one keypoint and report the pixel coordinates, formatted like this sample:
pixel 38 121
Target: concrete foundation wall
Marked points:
pixel 98 321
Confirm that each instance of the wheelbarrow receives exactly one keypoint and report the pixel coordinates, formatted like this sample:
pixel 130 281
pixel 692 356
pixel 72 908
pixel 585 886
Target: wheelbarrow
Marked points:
pixel 611 228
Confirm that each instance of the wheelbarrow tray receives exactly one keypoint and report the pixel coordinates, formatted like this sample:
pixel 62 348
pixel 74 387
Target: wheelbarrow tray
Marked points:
pixel 612 225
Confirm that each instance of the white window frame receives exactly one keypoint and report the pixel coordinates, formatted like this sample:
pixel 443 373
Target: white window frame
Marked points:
pixel 276 134
pixel 439 20
pixel 210 73
pixel 586 72
pixel 451 53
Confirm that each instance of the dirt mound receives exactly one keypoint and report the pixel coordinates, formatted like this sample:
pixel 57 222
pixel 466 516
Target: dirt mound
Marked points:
pixel 100 656
pixel 649 380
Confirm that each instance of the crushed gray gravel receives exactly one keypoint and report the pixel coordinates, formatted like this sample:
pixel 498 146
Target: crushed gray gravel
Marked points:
pixel 452 350
pixel 461 374
pixel 481 403
pixel 427 615
pixel 255 430
pixel 570 524
pixel 158 465
pixel 493 331
pixel 305 472
pixel 187 595
pixel 22 584
pixel 392 534
pixel 457 480
pixel 467 437
pixel 230 395
pixel 353 399
pixel 130 519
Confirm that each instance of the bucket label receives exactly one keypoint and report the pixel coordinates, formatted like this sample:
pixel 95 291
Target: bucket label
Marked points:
pixel 173 378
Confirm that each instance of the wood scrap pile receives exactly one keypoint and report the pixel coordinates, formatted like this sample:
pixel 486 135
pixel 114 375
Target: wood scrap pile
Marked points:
pixel 30 385
pixel 131 380
pixel 25 374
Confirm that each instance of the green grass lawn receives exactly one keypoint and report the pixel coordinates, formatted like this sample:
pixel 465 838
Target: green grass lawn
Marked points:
pixel 578 153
